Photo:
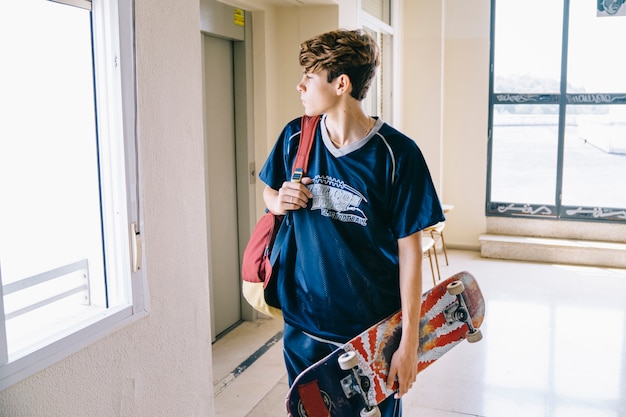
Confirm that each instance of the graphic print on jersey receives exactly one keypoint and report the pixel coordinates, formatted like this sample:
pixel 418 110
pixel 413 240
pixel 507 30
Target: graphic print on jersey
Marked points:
pixel 337 200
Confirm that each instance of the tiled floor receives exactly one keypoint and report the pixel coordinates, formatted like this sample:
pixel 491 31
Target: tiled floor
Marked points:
pixel 554 346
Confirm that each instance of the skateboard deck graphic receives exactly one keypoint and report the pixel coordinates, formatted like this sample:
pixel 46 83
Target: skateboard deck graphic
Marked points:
pixel 351 381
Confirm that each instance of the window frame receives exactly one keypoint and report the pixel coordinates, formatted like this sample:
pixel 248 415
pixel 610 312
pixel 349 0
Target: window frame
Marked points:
pixel 379 97
pixel 563 99
pixel 115 101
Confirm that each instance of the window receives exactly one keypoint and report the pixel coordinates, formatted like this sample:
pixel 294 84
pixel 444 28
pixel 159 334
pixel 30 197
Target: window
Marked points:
pixel 375 17
pixel 69 243
pixel 557 125
pixel 379 9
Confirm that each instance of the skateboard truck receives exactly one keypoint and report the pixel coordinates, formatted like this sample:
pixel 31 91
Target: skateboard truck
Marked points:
pixel 356 384
pixel 458 311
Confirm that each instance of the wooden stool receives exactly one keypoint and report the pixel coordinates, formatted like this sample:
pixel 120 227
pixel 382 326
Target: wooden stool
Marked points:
pixel 428 243
pixel 437 230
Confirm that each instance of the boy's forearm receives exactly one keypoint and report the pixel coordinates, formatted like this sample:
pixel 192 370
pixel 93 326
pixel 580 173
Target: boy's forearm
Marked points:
pixel 410 258
pixel 270 196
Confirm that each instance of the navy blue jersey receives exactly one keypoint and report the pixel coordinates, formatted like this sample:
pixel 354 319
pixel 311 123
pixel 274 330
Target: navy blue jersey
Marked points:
pixel 366 196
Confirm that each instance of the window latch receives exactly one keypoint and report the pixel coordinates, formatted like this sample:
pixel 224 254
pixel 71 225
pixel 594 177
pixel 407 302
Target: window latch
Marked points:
pixel 135 241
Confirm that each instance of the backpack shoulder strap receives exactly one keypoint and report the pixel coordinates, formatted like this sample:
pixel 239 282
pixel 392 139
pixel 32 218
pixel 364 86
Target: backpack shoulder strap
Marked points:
pixel 307 134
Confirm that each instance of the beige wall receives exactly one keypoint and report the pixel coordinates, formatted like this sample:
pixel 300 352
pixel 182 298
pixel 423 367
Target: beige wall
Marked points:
pixel 465 112
pixel 160 365
pixel 421 89
pixel 445 70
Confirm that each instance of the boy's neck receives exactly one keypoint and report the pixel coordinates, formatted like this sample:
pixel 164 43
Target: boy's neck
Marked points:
pixel 348 125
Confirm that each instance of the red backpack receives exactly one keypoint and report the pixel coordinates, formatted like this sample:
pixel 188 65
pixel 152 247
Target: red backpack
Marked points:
pixel 257 268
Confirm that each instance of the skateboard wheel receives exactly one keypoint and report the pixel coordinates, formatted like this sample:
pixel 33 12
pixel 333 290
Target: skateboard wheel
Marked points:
pixel 475 336
pixel 455 287
pixel 374 412
pixel 348 361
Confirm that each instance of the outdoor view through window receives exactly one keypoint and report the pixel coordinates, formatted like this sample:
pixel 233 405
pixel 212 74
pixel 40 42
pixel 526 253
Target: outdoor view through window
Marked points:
pixel 558 110
pixel 51 245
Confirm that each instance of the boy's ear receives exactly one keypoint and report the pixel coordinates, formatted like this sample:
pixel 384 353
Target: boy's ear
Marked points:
pixel 343 84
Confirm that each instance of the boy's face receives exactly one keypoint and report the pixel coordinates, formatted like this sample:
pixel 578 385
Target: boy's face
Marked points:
pixel 316 93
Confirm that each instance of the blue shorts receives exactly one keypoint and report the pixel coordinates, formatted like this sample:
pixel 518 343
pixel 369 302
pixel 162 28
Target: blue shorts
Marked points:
pixel 301 351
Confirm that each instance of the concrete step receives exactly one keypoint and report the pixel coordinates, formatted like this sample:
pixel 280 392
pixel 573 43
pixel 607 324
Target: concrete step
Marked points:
pixel 551 250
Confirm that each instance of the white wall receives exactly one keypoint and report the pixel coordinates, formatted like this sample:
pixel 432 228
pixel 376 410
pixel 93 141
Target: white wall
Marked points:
pixel 421 88
pixel 465 113
pixel 160 365
pixel 445 80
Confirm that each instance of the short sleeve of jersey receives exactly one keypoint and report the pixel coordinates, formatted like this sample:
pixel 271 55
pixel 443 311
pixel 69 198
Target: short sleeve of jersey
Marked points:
pixel 277 167
pixel 414 202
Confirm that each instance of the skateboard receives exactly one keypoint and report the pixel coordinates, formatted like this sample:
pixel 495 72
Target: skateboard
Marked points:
pixel 351 381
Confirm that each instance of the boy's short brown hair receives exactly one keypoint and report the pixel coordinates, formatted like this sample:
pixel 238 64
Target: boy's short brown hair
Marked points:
pixel 350 52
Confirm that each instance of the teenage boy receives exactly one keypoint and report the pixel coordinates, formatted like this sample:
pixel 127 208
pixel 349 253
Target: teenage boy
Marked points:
pixel 357 215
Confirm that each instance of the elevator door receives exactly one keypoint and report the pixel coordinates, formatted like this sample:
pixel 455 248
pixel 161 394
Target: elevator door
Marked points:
pixel 219 134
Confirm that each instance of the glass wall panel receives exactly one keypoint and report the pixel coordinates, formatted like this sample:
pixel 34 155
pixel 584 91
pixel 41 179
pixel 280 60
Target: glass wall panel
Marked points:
pixel 594 168
pixel 558 110
pixel 524 153
pixel 596 56
pixel 527 46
